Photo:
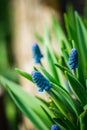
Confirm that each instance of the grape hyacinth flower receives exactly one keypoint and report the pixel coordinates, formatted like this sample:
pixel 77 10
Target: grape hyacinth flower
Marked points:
pixel 37 55
pixel 73 59
pixel 40 81
pixel 55 127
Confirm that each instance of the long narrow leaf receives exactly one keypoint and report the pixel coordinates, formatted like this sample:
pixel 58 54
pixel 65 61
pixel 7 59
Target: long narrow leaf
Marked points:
pixel 25 74
pixel 78 88
pixel 27 104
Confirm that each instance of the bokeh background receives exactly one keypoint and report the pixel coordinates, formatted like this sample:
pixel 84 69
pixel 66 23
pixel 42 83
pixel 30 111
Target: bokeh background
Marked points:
pixel 20 20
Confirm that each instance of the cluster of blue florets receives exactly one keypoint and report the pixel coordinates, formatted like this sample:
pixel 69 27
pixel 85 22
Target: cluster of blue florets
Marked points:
pixel 37 55
pixel 55 127
pixel 73 59
pixel 40 81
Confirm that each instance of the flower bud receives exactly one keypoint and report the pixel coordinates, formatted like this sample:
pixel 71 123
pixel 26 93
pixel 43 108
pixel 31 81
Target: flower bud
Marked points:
pixel 73 59
pixel 37 55
pixel 40 81
pixel 55 127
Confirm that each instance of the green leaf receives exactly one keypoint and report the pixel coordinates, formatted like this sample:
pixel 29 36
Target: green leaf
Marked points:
pixel 69 19
pixel 62 67
pixel 50 54
pixel 68 98
pixel 81 37
pixel 63 80
pixel 25 74
pixel 49 77
pixel 78 34
pixel 66 125
pixel 28 104
pixel 83 120
pixel 47 42
pixel 68 27
pixel 63 106
pixel 59 33
pixel 85 107
pixel 51 68
pixel 39 37
pixel 78 88
pixel 64 52
pixel 45 105
pixel 81 45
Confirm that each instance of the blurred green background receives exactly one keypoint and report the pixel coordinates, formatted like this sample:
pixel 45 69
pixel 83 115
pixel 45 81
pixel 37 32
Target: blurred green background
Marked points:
pixel 9 114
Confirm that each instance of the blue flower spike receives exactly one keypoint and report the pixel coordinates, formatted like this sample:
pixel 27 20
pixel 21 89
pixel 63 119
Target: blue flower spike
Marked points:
pixel 55 127
pixel 37 55
pixel 41 82
pixel 73 59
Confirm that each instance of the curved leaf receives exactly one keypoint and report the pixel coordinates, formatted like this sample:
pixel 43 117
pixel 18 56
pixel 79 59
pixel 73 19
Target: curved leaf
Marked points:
pixel 28 104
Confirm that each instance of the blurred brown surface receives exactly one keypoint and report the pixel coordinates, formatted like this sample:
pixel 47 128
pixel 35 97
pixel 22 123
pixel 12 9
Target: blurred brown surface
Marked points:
pixel 29 17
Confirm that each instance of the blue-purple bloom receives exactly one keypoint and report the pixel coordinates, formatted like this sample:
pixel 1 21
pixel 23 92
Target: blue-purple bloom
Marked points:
pixel 37 55
pixel 55 127
pixel 41 82
pixel 73 59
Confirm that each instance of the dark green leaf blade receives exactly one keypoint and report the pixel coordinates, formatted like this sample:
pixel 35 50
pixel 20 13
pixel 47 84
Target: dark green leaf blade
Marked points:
pixel 78 88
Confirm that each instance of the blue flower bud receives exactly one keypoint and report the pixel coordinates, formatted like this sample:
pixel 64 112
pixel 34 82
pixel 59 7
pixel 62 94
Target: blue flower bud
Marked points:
pixel 36 53
pixel 55 127
pixel 40 81
pixel 73 59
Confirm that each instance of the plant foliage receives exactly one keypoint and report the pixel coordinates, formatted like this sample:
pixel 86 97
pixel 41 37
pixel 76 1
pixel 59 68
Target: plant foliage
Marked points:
pixel 67 97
